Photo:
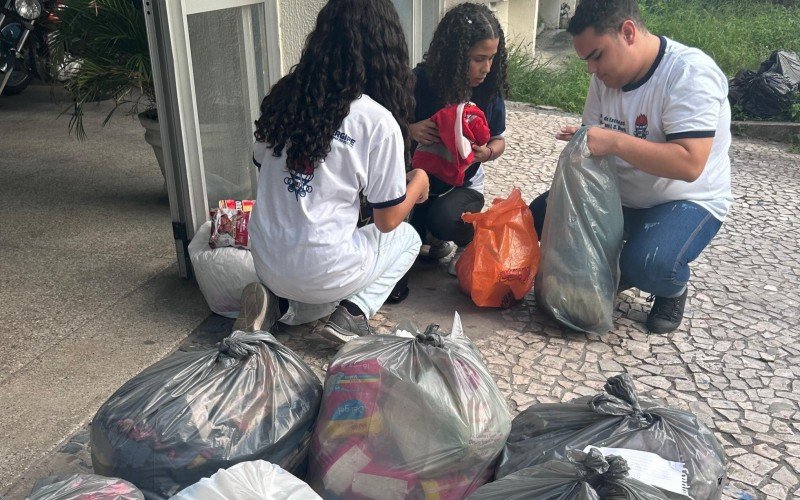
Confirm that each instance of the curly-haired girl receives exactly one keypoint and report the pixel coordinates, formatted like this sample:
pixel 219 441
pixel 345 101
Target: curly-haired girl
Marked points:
pixel 334 127
pixel 466 61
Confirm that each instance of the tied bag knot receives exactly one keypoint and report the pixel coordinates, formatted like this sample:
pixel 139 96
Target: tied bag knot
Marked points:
pixel 240 345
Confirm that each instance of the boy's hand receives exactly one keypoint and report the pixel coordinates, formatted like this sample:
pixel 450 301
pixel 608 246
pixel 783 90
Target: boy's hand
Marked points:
pixel 601 141
pixel 425 132
pixel 566 133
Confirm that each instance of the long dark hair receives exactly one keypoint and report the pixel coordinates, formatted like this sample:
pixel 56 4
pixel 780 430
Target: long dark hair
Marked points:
pixel 357 47
pixel 447 59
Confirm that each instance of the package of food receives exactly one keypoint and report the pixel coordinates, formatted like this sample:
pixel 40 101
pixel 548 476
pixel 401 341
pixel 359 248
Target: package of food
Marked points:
pixel 229 224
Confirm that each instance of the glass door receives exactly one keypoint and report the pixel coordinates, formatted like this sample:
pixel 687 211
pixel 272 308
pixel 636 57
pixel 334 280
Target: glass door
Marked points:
pixel 213 61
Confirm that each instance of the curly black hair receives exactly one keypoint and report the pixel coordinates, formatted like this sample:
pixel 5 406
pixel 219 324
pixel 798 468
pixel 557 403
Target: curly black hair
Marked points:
pixel 447 59
pixel 605 16
pixel 357 47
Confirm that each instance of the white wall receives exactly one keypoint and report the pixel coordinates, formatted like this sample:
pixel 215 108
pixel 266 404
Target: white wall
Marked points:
pixel 522 16
pixel 297 18
pixel 517 17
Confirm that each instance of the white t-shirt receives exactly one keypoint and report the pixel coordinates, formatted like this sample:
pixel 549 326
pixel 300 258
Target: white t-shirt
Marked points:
pixel 684 95
pixel 304 239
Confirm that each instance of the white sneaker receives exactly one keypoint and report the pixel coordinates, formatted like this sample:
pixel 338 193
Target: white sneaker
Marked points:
pixel 451 268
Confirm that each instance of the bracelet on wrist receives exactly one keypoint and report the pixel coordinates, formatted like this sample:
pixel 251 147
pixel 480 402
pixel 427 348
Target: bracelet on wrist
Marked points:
pixel 491 153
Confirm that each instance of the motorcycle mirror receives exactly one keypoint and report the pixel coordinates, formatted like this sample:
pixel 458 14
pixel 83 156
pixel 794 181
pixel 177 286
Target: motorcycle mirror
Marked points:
pixel 28 9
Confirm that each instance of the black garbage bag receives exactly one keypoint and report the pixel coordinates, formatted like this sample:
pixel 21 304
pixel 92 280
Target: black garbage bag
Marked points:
pixel 783 62
pixel 84 487
pixel 769 92
pixel 618 423
pixel 581 241
pixel 196 412
pixel 583 476
pixel 737 87
pixel 768 95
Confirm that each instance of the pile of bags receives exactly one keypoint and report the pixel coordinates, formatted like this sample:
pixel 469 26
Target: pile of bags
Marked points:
pixel 666 448
pixel 415 415
pixel 770 91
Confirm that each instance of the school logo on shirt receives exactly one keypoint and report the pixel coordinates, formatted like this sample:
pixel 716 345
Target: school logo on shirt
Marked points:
pixel 612 123
pixel 344 138
pixel 640 128
pixel 300 184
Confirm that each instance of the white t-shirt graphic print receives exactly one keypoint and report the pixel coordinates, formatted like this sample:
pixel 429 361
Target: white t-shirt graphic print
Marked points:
pixel 304 239
pixel 684 95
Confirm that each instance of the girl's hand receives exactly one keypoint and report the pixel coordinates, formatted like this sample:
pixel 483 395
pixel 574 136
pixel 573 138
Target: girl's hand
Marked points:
pixel 425 132
pixel 566 133
pixel 482 153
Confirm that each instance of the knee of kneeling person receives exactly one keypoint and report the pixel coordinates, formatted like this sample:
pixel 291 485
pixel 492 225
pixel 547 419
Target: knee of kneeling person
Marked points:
pixel 642 270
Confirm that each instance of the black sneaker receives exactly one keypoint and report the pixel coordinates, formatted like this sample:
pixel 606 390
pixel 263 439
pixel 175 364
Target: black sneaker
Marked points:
pixel 399 292
pixel 667 313
pixel 438 250
pixel 258 310
pixel 343 327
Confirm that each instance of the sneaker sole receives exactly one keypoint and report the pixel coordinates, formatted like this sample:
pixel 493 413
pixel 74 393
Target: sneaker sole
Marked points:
pixel 661 331
pixel 440 254
pixel 335 334
pixel 247 320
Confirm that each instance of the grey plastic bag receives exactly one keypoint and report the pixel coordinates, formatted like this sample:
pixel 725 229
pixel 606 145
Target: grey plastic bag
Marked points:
pixel 84 487
pixel 408 418
pixel 617 419
pixel 581 241
pixel 583 476
pixel 196 412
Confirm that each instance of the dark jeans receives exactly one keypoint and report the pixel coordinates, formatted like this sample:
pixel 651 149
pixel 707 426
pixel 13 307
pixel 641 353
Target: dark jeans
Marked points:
pixel 441 214
pixel 660 242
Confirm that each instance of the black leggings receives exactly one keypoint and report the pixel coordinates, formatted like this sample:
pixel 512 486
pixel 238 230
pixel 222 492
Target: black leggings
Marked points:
pixel 441 214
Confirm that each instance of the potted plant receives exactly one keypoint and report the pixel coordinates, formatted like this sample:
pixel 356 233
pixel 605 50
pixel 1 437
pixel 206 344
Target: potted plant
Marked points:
pixel 105 42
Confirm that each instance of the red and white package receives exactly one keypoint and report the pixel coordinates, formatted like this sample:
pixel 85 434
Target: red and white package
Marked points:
pixel 229 224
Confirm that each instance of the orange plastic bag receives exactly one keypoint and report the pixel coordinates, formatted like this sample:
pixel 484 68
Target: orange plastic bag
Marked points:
pixel 498 267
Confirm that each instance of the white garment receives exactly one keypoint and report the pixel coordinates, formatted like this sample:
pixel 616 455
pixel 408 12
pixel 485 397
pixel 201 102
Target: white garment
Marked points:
pixel 396 252
pixel 684 95
pixel 304 240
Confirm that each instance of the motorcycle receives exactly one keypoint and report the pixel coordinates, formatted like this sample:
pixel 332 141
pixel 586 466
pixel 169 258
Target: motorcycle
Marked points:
pixel 23 43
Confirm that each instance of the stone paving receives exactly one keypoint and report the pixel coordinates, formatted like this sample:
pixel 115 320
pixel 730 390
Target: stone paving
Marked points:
pixel 734 362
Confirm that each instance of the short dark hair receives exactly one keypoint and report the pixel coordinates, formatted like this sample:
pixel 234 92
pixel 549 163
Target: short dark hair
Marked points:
pixel 605 16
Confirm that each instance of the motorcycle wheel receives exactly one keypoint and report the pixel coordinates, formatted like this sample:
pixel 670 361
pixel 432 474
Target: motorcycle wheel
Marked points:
pixel 19 79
